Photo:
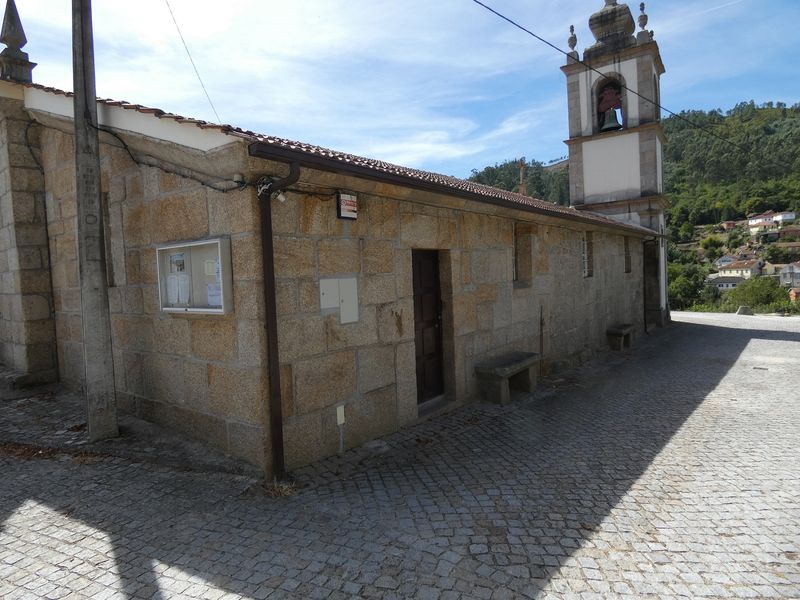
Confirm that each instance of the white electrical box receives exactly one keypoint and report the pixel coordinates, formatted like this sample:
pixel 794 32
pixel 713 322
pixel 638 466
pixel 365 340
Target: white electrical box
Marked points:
pixel 342 295
pixel 195 277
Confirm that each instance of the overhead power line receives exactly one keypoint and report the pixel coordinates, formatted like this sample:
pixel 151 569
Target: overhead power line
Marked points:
pixel 678 116
pixel 191 60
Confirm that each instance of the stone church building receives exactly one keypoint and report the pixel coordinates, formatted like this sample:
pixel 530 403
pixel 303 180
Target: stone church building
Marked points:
pixel 391 284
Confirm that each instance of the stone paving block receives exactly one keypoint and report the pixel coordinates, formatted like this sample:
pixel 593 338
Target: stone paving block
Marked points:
pixel 621 480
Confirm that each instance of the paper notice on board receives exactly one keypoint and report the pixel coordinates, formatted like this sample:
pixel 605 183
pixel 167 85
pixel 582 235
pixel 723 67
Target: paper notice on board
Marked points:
pixel 214 291
pixel 184 289
pixel 210 267
pixel 177 262
pixel 172 289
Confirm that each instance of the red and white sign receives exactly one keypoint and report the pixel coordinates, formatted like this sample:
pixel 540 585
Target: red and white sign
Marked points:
pixel 346 206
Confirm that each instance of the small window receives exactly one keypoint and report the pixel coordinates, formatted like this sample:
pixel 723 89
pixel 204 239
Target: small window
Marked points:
pixel 627 243
pixel 515 254
pixel 588 254
pixel 521 257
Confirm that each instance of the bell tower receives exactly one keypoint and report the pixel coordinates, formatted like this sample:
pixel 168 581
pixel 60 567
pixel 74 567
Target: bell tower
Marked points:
pixel 615 137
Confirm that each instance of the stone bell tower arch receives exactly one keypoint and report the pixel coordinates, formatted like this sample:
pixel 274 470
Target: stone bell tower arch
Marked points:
pixel 615 135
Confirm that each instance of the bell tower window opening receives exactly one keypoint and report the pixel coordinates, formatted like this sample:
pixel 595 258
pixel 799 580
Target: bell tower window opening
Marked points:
pixel 610 116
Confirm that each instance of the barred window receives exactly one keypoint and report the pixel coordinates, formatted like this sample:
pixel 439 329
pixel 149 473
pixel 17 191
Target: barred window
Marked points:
pixel 588 254
pixel 627 255
pixel 521 257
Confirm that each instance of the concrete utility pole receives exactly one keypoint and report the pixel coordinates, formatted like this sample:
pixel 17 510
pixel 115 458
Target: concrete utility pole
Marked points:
pixel 101 402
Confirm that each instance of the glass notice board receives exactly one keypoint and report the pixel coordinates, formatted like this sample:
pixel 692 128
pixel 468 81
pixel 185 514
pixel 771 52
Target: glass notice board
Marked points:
pixel 195 277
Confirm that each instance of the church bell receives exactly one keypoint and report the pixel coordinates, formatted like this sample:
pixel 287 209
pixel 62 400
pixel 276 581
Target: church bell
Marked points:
pixel 610 122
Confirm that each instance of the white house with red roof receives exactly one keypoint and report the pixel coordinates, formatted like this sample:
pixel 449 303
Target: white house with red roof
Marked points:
pixel 742 268
pixel 770 220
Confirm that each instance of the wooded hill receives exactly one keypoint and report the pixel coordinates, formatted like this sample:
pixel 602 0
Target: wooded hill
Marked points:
pixel 706 179
pixel 709 180
pixel 545 183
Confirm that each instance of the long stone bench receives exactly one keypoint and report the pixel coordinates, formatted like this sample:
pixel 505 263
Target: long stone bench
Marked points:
pixel 620 336
pixel 496 376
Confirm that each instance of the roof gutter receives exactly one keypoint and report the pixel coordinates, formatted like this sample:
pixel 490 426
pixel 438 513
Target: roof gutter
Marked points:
pixel 267 188
pixel 334 165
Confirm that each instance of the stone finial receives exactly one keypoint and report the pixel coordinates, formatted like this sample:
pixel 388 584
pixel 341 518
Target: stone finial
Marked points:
pixel 611 2
pixel 644 36
pixel 572 55
pixel 12 34
pixel 642 17
pixel 14 63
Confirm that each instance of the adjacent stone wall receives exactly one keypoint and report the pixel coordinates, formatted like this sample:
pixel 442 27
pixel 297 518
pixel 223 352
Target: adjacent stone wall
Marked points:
pixel 369 366
pixel 204 374
pixel 26 301
pixel 201 374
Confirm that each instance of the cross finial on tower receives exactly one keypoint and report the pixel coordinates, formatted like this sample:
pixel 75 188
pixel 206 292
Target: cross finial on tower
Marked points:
pixel 14 63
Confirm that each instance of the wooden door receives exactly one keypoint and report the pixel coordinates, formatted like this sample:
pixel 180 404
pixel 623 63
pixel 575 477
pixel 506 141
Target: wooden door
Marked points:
pixel 652 284
pixel 428 324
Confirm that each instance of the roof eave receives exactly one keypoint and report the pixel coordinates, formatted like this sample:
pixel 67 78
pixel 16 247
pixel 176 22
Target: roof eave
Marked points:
pixel 267 151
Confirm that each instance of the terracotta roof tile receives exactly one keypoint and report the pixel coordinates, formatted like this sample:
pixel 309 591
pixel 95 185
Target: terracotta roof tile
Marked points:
pixel 375 165
pixel 740 264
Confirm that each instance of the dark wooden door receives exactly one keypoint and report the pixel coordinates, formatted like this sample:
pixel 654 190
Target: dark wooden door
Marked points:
pixel 428 324
pixel 652 284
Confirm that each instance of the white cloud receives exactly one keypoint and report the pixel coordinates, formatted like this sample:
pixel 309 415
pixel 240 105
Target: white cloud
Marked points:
pixel 416 82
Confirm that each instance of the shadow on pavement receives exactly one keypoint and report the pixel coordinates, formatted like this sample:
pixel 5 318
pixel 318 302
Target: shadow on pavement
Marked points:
pixel 491 498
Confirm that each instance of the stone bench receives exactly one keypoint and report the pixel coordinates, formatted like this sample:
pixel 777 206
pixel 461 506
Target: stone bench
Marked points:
pixel 496 376
pixel 620 336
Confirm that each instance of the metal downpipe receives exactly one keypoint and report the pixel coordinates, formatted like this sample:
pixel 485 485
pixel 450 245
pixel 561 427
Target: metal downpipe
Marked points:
pixel 267 188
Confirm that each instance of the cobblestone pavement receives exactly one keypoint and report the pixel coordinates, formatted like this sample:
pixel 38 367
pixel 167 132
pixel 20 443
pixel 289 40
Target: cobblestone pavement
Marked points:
pixel 668 472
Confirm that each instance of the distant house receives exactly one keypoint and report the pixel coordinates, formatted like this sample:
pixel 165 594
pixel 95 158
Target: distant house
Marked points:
pixel 771 270
pixel 724 260
pixel 724 283
pixel 769 220
pixel 792 231
pixel 790 275
pixel 771 235
pixel 745 253
pixel 742 268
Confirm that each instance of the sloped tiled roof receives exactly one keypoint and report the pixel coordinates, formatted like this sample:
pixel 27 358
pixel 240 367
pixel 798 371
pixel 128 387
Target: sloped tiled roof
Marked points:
pixel 727 279
pixel 446 182
pixel 739 264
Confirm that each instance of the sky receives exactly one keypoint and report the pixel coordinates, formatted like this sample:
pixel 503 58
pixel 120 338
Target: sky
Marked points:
pixel 440 85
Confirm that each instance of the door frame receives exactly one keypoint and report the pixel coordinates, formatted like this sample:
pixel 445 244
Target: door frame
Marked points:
pixel 435 258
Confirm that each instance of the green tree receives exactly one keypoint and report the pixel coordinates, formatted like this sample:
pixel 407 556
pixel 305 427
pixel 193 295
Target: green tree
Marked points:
pixel 685 232
pixel 710 242
pixel 755 292
pixel 777 255
pixel 713 246
pixel 686 281
pixel 710 295
pixel 736 237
